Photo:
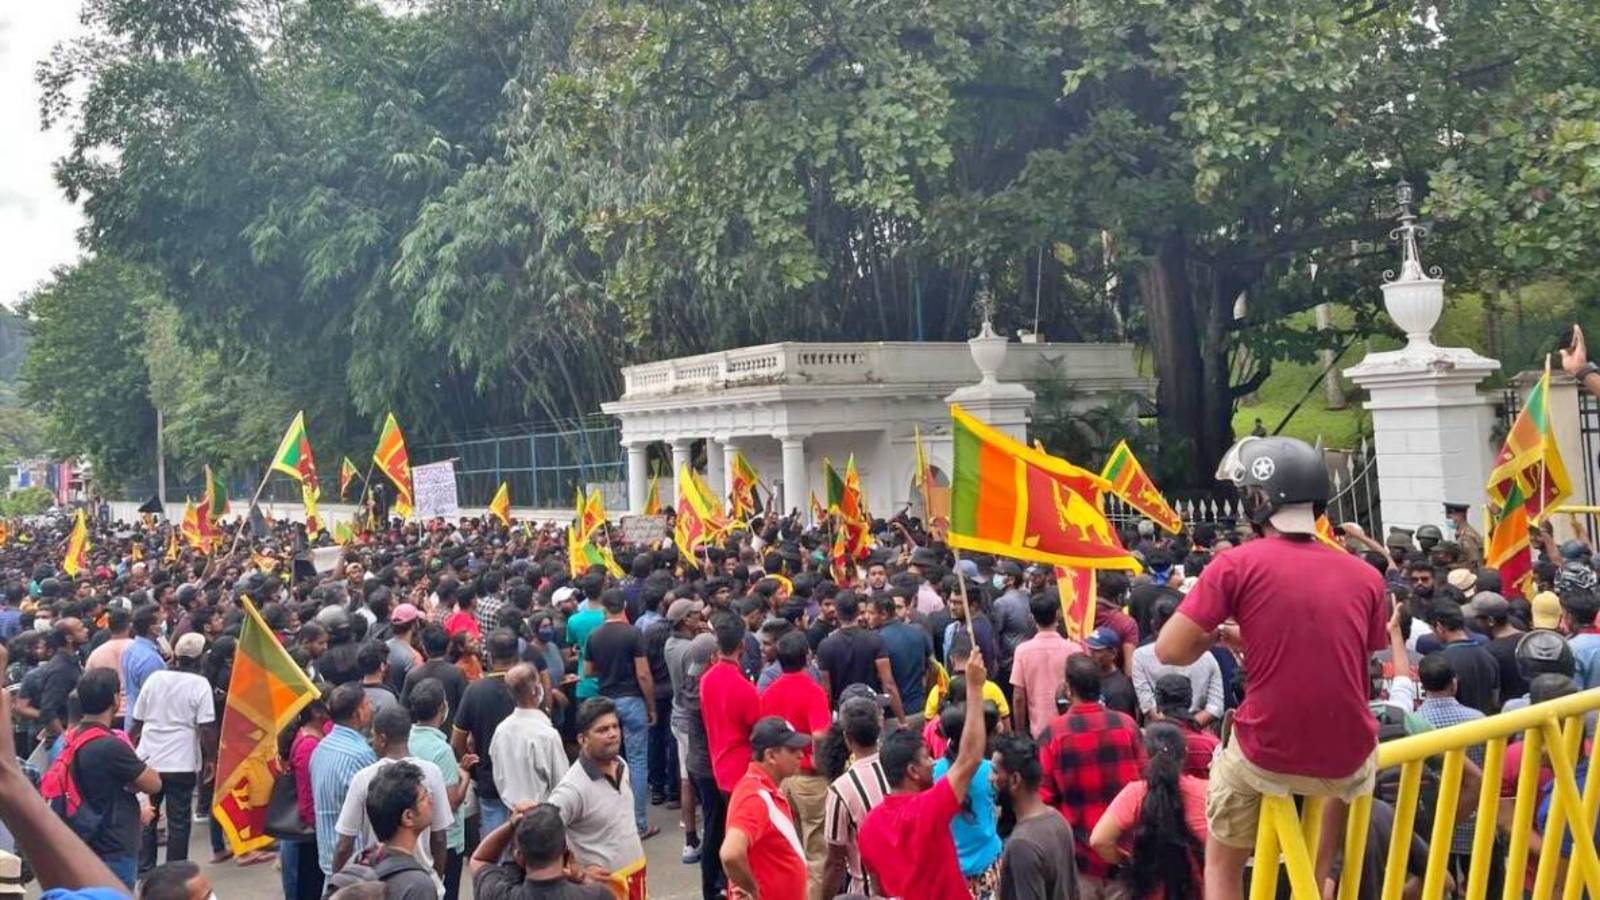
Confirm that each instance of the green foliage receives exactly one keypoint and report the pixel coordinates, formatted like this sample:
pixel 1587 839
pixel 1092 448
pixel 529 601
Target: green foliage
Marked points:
pixel 28 501
pixel 85 370
pixel 472 212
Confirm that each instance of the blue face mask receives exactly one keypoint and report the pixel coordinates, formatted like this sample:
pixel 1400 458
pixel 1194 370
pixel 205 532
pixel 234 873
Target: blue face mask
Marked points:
pixel 547 634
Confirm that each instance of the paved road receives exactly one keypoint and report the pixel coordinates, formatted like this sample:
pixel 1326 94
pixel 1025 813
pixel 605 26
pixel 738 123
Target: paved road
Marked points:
pixel 670 879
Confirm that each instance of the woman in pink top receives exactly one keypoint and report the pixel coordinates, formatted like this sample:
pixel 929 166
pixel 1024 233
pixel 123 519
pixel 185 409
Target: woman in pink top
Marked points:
pixel 302 875
pixel 1160 821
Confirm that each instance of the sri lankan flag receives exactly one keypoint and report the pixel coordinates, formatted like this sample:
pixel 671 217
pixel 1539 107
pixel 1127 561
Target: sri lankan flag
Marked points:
pixel 77 558
pixel 348 473
pixel 500 506
pixel 652 497
pixel 1129 481
pixel 1077 589
pixel 1325 533
pixel 294 459
pixel 1509 550
pixel 1009 499
pixel 266 692
pixel 832 486
pixel 840 565
pixel 744 479
pixel 693 524
pixel 591 512
pixel 582 553
pixel 216 495
pixel 717 515
pixel 393 461
pixel 923 473
pixel 196 527
pixel 1528 470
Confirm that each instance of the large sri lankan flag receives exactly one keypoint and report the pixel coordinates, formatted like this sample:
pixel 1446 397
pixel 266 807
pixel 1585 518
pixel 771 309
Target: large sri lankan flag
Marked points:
pixel 1011 500
pixel 266 692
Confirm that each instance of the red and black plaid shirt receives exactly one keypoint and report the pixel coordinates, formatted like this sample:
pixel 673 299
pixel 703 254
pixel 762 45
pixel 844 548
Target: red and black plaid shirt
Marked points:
pixel 1088 754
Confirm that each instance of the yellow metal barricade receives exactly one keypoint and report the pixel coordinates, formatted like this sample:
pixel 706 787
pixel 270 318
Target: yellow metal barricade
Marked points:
pixel 1553 736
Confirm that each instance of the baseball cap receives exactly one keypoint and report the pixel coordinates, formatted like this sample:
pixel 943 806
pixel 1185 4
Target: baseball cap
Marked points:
pixel 1546 610
pixel 859 691
pixel 1103 638
pixel 404 613
pixel 773 732
pixel 190 646
pixel 1489 605
pixel 563 593
pixel 682 607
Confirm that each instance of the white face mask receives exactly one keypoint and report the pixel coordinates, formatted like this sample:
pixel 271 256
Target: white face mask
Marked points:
pixel 999 580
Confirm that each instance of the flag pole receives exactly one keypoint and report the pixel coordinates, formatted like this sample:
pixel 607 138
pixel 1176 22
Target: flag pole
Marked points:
pixel 1544 464
pixel 966 604
pixel 239 532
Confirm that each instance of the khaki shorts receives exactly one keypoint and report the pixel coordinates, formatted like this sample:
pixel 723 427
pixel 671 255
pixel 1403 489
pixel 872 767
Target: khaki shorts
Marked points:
pixel 1233 797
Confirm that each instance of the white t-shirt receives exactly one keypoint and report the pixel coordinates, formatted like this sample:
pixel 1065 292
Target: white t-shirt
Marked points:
pixel 353 820
pixel 173 705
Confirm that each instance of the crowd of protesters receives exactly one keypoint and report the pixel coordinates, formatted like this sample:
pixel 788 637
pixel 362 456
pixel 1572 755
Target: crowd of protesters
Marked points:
pixel 926 730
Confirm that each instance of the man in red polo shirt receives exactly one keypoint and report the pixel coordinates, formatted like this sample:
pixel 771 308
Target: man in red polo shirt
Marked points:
pixel 905 840
pixel 795 698
pixel 728 704
pixel 761 852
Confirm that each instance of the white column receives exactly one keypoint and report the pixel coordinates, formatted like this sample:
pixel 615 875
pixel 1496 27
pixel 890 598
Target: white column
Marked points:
pixel 638 476
pixel 714 469
pixel 729 450
pixel 795 484
pixel 680 458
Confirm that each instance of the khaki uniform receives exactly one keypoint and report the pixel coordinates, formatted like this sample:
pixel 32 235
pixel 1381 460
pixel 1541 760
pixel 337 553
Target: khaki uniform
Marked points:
pixel 1471 543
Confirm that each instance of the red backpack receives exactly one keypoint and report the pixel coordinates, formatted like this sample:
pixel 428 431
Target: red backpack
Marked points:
pixel 60 788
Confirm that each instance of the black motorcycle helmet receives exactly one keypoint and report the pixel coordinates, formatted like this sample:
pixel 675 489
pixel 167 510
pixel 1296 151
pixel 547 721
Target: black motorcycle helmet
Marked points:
pixel 1274 472
pixel 337 623
pixel 1544 652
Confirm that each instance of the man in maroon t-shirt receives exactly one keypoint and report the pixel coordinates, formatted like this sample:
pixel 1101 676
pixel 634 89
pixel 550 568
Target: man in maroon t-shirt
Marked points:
pixel 1307 618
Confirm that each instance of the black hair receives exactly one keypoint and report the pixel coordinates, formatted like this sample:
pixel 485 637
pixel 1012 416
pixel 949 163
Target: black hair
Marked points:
pixel 730 631
pixel 97 690
pixel 394 789
pixel 1435 672
pixel 1160 611
pixel 899 751
pixel 1019 756
pixel 1111 585
pixel 1550 686
pixel 168 881
pixel 614 601
pixel 1167 849
pixel 861 722
pixel 792 648
pixel 393 722
pixel 847 604
pixel 1580 605
pixel 145 619
pixel 426 700
pixel 435 641
pixel 952 720
pixel 371 657
pixel 1446 614
pixel 1046 608
pixel 117 619
pixel 1083 678
pixel 503 646
pixel 592 710
pixel 832 755
pixel 345 701
pixel 541 837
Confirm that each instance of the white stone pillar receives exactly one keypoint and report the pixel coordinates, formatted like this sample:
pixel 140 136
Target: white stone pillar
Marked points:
pixel 796 486
pixel 714 469
pixel 680 459
pixel 1431 434
pixel 638 476
pixel 730 449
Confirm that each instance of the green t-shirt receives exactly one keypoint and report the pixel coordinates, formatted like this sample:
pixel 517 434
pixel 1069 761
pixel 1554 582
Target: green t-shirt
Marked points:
pixel 579 627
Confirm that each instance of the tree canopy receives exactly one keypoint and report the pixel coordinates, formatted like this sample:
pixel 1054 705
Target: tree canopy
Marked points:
pixel 473 212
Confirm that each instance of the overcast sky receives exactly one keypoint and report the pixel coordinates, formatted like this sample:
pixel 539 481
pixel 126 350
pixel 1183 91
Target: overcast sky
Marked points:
pixel 36 221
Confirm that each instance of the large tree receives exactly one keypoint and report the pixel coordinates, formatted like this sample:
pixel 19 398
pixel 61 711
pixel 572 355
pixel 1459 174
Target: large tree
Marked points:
pixel 474 211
